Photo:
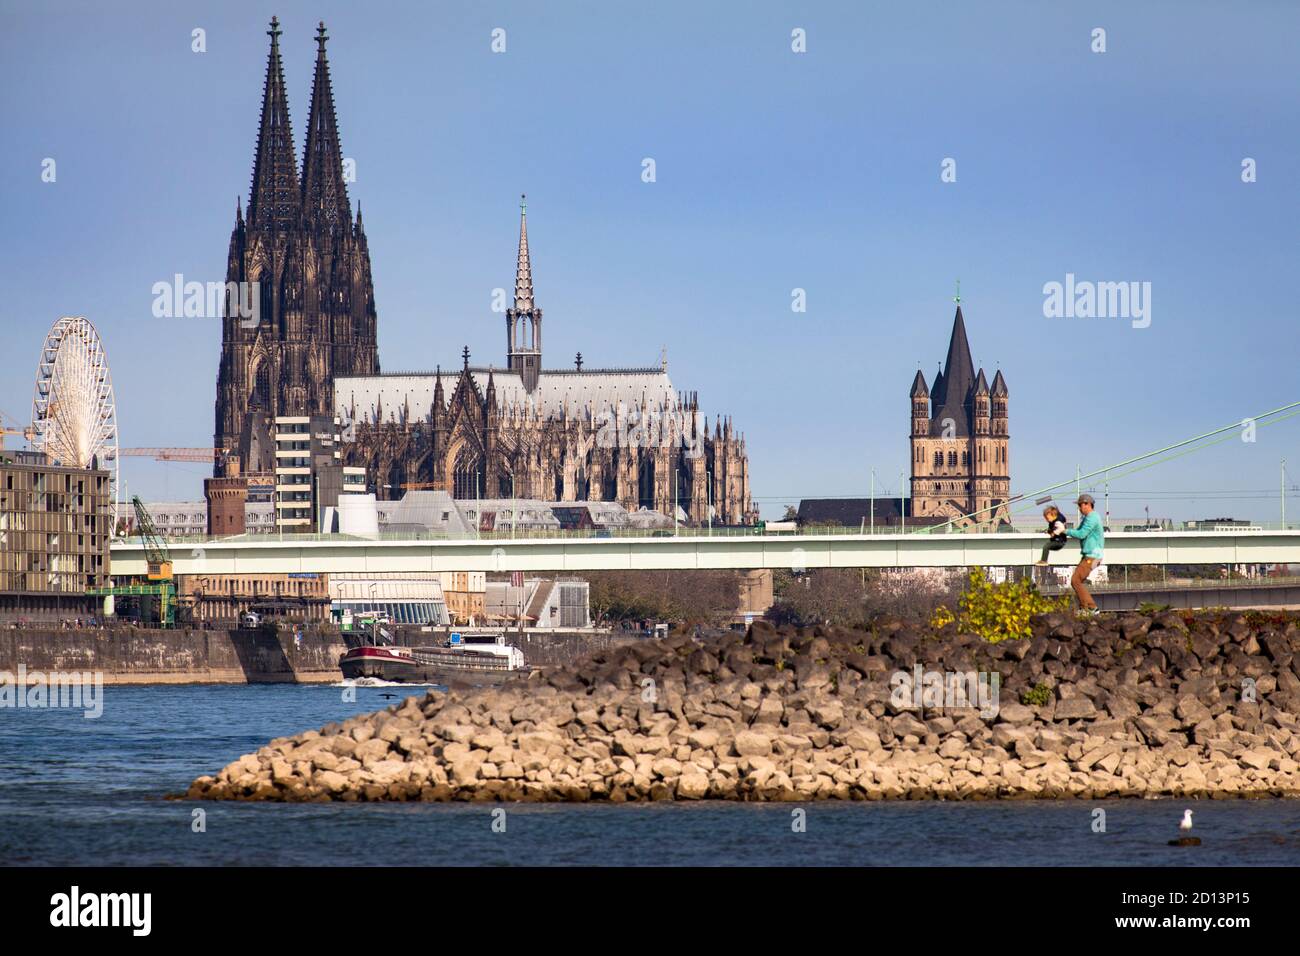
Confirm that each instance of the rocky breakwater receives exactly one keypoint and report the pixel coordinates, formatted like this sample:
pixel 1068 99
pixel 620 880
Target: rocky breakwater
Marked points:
pixel 1136 705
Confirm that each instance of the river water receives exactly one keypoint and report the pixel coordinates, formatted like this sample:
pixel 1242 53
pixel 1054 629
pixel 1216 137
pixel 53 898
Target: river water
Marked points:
pixel 89 792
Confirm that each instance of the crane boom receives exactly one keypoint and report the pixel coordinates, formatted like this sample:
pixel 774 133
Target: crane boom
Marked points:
pixel 156 554
pixel 175 454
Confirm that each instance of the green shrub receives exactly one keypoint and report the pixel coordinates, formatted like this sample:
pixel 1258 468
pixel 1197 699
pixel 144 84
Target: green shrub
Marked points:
pixel 1039 696
pixel 997 612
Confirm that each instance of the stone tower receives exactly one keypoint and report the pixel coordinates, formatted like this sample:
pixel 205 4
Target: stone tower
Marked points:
pixel 960 463
pixel 304 264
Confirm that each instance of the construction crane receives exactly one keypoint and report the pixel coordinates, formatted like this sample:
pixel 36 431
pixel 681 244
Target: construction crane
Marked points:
pixel 158 562
pixel 26 431
pixel 176 454
pixel 156 554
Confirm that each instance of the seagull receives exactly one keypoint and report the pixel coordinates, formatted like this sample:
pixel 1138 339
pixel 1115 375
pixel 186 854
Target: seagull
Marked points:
pixel 1186 823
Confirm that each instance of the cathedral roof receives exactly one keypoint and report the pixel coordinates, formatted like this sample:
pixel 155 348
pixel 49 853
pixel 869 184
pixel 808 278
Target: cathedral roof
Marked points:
pixel 918 386
pixel 591 390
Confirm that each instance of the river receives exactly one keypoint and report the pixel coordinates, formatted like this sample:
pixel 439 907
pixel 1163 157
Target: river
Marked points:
pixel 75 791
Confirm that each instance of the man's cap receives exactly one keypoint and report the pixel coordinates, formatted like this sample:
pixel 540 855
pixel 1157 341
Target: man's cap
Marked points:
pixel 1085 498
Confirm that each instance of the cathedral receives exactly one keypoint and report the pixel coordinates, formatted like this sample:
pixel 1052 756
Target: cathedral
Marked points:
pixel 520 430
pixel 960 463
pixel 309 261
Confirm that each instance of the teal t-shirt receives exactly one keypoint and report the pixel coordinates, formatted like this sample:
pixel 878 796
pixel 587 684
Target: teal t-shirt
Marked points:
pixel 1091 534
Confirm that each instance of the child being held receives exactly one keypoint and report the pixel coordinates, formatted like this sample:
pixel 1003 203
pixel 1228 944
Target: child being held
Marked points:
pixel 1056 528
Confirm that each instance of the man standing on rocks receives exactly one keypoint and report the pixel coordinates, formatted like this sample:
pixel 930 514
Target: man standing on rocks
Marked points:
pixel 1091 536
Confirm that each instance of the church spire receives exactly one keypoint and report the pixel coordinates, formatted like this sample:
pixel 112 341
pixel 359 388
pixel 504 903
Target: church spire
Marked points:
pixel 274 200
pixel 524 318
pixel 523 267
pixel 951 396
pixel 324 193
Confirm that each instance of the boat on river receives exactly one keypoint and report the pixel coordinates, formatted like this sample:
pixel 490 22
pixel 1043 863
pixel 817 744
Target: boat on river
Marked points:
pixel 479 659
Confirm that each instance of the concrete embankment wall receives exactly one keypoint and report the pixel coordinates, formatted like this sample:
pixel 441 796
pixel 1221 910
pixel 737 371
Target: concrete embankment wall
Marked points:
pixel 130 655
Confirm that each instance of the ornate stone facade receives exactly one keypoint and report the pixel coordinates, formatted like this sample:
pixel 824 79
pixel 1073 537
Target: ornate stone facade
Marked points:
pixel 308 261
pixel 960 441
pixel 522 431
pixel 622 435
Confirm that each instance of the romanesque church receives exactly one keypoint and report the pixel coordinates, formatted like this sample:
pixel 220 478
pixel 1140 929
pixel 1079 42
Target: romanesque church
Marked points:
pixel 519 430
pixel 960 441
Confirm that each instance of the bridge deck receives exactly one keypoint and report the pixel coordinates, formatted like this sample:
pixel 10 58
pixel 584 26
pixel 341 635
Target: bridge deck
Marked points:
pixel 696 551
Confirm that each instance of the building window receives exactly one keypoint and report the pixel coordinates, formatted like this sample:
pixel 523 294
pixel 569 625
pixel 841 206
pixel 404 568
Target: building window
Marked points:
pixel 467 476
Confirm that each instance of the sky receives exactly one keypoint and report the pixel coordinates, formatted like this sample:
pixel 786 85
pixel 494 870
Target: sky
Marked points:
pixel 775 171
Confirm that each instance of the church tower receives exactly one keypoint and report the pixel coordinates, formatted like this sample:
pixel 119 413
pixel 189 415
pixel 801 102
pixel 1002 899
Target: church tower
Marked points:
pixel 524 319
pixel 960 439
pixel 304 265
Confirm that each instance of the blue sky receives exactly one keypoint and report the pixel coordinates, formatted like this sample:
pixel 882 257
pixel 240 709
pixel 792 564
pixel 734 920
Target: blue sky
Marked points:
pixel 775 171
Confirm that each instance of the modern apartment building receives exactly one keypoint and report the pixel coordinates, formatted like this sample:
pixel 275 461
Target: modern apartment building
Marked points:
pixel 55 527
pixel 309 471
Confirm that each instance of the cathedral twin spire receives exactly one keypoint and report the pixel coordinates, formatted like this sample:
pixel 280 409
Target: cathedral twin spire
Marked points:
pixel 277 201
pixel 275 198
pixel 324 191
pixel 311 262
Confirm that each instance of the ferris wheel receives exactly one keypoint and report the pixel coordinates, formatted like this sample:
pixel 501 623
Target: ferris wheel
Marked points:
pixel 74 421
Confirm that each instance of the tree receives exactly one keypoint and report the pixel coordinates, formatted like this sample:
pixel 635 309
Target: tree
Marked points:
pixel 851 597
pixel 687 597
pixel 826 596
